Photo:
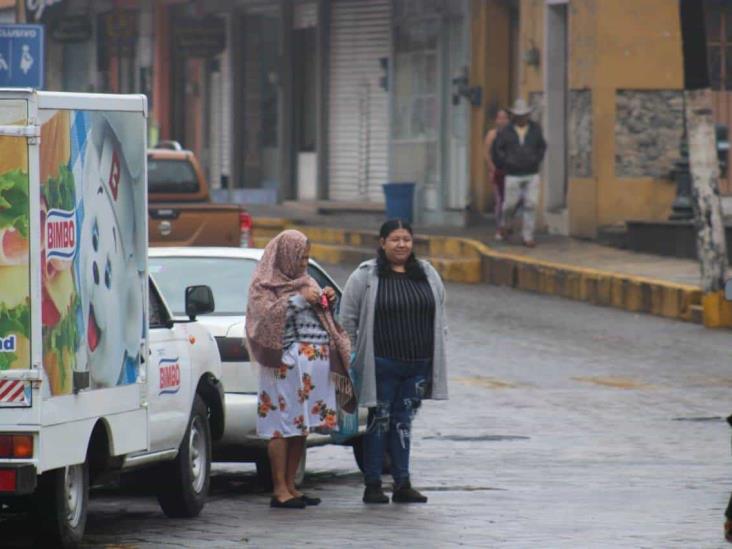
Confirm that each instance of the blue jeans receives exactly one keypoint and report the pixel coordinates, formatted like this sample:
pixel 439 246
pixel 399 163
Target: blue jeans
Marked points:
pixel 400 387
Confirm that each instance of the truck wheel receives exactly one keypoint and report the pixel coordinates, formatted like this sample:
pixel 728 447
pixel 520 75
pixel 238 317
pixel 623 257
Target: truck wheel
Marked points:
pixel 185 480
pixel 264 470
pixel 357 445
pixel 60 504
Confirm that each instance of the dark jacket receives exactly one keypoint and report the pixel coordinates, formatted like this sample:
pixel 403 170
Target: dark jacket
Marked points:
pixel 513 158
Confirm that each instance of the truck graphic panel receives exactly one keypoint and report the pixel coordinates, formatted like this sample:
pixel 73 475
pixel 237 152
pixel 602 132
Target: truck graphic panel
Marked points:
pixel 92 190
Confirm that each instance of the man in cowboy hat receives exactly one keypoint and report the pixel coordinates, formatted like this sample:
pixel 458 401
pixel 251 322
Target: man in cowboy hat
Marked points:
pixel 518 151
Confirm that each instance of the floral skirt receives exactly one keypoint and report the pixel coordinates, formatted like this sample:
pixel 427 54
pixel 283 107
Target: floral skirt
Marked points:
pixel 298 397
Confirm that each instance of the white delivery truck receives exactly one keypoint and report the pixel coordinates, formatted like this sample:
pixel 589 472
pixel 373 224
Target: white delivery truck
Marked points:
pixel 95 376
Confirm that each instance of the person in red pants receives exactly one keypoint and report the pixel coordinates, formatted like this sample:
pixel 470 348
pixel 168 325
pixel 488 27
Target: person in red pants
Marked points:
pixel 496 177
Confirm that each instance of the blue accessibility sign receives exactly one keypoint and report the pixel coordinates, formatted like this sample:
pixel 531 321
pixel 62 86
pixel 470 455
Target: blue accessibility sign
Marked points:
pixel 21 56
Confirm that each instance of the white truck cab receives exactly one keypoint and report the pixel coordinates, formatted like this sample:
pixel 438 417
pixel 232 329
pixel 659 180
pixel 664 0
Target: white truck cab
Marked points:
pixel 95 376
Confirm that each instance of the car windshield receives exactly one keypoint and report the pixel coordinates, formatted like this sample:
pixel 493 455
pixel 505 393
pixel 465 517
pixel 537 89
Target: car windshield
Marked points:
pixel 228 279
pixel 171 176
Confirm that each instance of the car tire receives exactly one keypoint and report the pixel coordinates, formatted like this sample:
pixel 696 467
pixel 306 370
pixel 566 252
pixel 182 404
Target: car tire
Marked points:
pixel 264 470
pixel 184 482
pixel 357 444
pixel 60 504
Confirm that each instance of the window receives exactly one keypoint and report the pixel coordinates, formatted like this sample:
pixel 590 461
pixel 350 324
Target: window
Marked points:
pixel 719 43
pixel 415 95
pixel 322 279
pixel 171 176
pixel 158 314
pixel 228 278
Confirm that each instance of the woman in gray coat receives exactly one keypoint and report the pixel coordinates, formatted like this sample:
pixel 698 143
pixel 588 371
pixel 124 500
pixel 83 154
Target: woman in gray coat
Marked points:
pixel 393 311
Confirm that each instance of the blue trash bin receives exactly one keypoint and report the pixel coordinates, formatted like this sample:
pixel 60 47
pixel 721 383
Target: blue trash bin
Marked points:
pixel 400 200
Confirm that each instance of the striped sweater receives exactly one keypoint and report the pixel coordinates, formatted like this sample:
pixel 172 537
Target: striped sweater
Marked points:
pixel 404 318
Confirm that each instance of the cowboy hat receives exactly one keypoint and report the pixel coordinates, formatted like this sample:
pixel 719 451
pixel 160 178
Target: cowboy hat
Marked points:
pixel 520 108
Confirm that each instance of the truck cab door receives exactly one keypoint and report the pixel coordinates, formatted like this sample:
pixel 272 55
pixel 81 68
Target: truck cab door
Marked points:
pixel 169 372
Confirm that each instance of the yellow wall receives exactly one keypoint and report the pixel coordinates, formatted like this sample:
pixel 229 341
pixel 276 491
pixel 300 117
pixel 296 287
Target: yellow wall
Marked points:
pixel 613 44
pixel 490 69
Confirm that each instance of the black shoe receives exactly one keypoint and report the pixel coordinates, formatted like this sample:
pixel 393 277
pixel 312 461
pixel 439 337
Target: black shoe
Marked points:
pixel 310 501
pixel 374 494
pixel 292 503
pixel 404 493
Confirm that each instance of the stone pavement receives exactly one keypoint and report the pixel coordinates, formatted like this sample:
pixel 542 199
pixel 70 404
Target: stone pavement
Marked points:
pixel 568 426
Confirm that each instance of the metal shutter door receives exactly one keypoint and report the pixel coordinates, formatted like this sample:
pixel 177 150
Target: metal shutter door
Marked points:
pixel 359 107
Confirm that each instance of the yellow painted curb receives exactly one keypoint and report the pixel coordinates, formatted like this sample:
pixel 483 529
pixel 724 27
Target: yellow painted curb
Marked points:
pixel 717 310
pixel 470 261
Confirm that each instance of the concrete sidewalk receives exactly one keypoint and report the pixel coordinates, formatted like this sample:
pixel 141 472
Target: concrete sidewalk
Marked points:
pixel 563 266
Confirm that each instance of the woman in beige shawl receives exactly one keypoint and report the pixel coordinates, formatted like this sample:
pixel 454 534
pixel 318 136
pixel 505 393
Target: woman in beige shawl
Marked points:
pixel 302 352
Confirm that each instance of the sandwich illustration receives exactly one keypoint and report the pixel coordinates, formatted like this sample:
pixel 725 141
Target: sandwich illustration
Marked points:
pixel 14 269
pixel 60 299
pixel 14 218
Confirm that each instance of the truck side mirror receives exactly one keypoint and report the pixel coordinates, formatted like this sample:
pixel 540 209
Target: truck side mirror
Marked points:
pixel 728 289
pixel 199 301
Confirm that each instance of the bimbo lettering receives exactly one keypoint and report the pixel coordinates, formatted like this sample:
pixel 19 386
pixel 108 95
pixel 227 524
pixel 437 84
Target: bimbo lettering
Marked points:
pixel 60 234
pixel 169 376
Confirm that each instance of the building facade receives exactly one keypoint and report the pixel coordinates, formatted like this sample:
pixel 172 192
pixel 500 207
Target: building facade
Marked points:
pixel 326 100
pixel 606 79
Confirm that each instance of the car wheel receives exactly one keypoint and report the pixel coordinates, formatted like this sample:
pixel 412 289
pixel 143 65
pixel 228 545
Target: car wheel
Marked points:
pixel 357 444
pixel 264 470
pixel 185 480
pixel 60 504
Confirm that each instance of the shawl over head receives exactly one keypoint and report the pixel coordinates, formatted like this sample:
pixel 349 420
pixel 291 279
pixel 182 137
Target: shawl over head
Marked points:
pixel 278 276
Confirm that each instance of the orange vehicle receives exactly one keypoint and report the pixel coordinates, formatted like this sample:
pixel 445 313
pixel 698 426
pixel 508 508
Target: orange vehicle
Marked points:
pixel 180 211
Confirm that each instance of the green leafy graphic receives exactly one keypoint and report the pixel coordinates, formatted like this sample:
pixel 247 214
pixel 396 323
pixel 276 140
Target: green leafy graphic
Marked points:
pixel 6 359
pixel 14 205
pixel 65 334
pixel 59 191
pixel 15 320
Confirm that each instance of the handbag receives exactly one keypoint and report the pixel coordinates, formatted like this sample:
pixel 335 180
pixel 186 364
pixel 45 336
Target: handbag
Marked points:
pixel 348 422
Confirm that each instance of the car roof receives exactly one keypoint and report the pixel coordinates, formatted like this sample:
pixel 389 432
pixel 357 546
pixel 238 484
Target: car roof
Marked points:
pixel 168 154
pixel 207 251
pixel 223 252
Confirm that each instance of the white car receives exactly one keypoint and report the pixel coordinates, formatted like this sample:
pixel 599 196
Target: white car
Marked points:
pixel 228 272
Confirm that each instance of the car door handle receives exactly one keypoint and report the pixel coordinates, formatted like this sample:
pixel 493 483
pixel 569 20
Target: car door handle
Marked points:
pixel 164 213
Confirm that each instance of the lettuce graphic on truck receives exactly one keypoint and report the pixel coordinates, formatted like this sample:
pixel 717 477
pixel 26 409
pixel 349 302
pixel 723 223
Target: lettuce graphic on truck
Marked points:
pixel 60 298
pixel 14 255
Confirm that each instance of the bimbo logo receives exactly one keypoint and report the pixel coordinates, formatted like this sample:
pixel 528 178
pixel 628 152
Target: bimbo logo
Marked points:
pixel 169 375
pixel 60 235
pixel 7 344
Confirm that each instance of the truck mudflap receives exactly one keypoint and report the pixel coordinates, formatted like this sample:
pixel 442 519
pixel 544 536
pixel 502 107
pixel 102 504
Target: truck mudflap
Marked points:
pixel 17 479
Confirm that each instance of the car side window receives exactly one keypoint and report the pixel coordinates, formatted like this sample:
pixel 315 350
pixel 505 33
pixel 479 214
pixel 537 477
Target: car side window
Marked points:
pixel 158 314
pixel 323 281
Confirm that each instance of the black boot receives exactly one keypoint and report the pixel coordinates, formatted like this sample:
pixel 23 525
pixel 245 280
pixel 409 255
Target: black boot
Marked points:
pixel 404 493
pixel 374 494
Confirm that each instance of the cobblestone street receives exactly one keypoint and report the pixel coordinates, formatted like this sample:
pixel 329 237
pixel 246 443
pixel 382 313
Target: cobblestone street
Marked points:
pixel 568 426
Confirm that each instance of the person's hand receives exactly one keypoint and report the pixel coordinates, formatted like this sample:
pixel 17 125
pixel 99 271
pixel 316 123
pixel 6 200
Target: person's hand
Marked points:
pixel 330 293
pixel 311 295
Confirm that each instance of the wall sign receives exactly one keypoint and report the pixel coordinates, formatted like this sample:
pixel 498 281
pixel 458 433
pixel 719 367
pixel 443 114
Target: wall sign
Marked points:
pixel 72 28
pixel 21 56
pixel 200 37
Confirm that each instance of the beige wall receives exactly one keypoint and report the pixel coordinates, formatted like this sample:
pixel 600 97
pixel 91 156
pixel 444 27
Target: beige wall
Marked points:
pixel 613 45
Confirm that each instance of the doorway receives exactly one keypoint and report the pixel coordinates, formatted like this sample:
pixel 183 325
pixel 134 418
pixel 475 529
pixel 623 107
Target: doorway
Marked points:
pixel 257 82
pixel 305 76
pixel 719 54
pixel 457 110
pixel 556 86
